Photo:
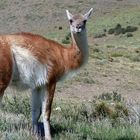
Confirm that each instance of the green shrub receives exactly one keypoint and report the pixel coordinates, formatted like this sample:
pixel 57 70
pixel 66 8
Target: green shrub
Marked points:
pixel 111 31
pixel 114 96
pixel 137 50
pixel 109 105
pixel 118 29
pixel 129 35
pixel 131 29
pixel 64 41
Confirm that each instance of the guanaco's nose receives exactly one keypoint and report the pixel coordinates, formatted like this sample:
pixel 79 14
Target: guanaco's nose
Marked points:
pixel 78 26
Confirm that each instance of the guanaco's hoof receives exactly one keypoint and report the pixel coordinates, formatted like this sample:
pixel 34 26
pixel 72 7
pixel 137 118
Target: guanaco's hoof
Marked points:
pixel 38 130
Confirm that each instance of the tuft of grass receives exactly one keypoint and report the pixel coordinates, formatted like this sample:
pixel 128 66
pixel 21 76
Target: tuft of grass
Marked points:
pixel 99 35
pixel 17 105
pixel 66 39
pixel 129 35
pixel 135 58
pixel 97 54
pixel 117 54
pixel 110 46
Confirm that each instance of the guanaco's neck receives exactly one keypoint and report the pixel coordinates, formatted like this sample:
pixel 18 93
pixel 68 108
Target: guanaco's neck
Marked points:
pixel 77 54
pixel 80 42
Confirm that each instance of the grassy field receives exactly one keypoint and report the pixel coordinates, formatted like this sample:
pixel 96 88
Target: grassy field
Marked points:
pixel 102 102
pixel 106 117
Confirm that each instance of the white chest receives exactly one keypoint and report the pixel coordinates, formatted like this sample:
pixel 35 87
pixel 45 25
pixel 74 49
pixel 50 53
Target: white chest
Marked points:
pixel 27 70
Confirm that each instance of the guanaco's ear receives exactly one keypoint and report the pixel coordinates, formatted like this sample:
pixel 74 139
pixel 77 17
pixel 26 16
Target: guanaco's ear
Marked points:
pixel 69 15
pixel 86 16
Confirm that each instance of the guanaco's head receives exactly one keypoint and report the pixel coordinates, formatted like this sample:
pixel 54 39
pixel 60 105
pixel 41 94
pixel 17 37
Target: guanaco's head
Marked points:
pixel 78 22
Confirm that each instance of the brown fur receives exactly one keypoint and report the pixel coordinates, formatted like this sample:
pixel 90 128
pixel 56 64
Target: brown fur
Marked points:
pixel 58 57
pixel 5 65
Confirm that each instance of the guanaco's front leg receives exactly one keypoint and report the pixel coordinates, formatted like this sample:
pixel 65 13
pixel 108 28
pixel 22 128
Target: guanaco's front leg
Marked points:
pixel 36 108
pixel 46 108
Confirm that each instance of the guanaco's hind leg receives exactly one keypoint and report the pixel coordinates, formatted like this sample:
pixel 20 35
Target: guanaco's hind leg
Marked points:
pixel 47 99
pixel 6 66
pixel 1 96
pixel 3 85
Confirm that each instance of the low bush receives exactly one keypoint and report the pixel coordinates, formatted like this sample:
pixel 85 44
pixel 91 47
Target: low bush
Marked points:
pixel 118 29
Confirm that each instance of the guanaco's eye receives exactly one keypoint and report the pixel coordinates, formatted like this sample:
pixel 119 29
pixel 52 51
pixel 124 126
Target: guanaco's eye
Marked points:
pixel 84 21
pixel 71 21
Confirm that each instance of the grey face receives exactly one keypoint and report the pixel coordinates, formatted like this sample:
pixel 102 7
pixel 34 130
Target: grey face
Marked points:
pixel 78 22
